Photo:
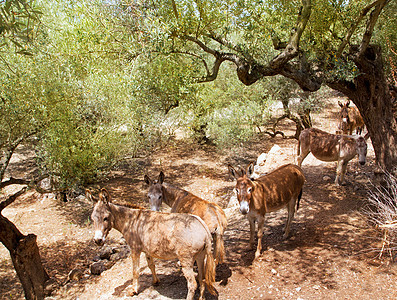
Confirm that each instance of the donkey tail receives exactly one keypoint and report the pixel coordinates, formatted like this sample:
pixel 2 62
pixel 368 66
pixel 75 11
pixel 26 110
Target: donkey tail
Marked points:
pixel 219 252
pixel 209 267
pixel 219 248
pixel 299 199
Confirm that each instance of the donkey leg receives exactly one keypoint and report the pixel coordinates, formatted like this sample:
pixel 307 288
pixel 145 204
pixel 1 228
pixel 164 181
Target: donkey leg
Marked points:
pixel 135 273
pixel 343 172
pixel 251 220
pixel 152 268
pixel 302 156
pixel 340 172
pixel 291 212
pixel 261 222
pixel 187 270
pixel 200 266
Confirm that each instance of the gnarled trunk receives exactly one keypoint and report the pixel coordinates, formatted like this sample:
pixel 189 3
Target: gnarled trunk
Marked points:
pixel 26 258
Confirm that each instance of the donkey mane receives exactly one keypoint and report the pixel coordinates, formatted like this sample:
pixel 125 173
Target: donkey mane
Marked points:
pixel 130 205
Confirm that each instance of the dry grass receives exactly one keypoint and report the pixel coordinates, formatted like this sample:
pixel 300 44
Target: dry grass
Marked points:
pixel 382 211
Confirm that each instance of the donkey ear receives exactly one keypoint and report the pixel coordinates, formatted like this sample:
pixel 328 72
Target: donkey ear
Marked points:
pixel 161 177
pixel 340 104
pixel 89 196
pixel 250 170
pixel 148 180
pixel 233 172
pixel 104 196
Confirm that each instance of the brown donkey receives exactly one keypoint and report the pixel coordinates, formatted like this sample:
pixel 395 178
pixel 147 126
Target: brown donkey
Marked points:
pixel 350 119
pixel 182 201
pixel 271 192
pixel 159 235
pixel 332 147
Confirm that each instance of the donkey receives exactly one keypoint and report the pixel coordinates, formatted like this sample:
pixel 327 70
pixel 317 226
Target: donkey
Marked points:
pixel 350 119
pixel 271 192
pixel 182 201
pixel 332 147
pixel 158 235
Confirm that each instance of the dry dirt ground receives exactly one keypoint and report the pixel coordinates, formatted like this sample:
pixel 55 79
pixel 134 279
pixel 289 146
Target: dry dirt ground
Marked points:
pixel 332 253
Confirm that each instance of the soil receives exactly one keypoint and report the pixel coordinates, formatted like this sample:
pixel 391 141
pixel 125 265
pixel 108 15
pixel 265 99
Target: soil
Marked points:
pixel 333 253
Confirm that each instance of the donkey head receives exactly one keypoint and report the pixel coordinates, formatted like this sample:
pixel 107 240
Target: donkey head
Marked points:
pixel 155 193
pixel 244 186
pixel 344 123
pixel 101 216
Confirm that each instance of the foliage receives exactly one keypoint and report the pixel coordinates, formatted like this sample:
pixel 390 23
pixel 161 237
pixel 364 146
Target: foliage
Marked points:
pixel 75 94
pixel 18 19
pixel 228 111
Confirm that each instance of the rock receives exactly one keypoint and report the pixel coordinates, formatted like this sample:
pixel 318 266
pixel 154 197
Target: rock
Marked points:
pixel 75 275
pixel 97 267
pixel 326 178
pixel 45 184
pixel 50 285
pixel 105 252
pixel 267 162
pixel 120 253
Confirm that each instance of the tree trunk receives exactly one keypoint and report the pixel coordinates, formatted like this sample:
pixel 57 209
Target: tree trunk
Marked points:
pixel 370 93
pixel 26 258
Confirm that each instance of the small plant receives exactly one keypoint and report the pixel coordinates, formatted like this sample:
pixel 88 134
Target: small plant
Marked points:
pixel 382 211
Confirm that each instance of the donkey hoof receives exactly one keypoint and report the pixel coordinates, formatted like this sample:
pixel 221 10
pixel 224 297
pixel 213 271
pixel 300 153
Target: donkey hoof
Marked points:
pixel 257 254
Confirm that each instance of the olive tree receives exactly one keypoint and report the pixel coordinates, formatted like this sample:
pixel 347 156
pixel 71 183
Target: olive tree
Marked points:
pixel 314 43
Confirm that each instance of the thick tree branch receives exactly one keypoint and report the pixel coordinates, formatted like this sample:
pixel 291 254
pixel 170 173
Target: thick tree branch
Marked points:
pixel 370 26
pixel 12 181
pixel 353 28
pixel 249 72
pixel 200 44
pixel 11 199
pixel 292 49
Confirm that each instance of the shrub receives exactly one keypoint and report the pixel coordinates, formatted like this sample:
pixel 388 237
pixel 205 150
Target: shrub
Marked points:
pixel 382 211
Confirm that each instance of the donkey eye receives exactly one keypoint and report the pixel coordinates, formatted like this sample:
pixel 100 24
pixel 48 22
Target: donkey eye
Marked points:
pixel 249 190
pixel 237 191
pixel 160 197
pixel 105 219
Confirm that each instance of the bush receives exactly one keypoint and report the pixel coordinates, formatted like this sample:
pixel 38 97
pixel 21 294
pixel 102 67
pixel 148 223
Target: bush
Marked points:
pixel 236 123
pixel 382 211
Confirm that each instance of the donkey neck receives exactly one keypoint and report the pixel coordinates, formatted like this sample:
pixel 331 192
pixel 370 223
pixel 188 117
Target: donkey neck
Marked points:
pixel 122 216
pixel 172 194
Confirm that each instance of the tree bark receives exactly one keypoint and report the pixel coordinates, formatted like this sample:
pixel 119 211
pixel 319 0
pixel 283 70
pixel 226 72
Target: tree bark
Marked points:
pixel 26 258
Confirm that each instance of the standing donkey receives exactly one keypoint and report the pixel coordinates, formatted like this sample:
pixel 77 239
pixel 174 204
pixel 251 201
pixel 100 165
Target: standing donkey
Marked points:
pixel 271 192
pixel 158 235
pixel 350 119
pixel 182 201
pixel 332 147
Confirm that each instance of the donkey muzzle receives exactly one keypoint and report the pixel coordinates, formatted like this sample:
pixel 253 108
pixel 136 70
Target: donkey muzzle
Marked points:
pixel 99 239
pixel 244 207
